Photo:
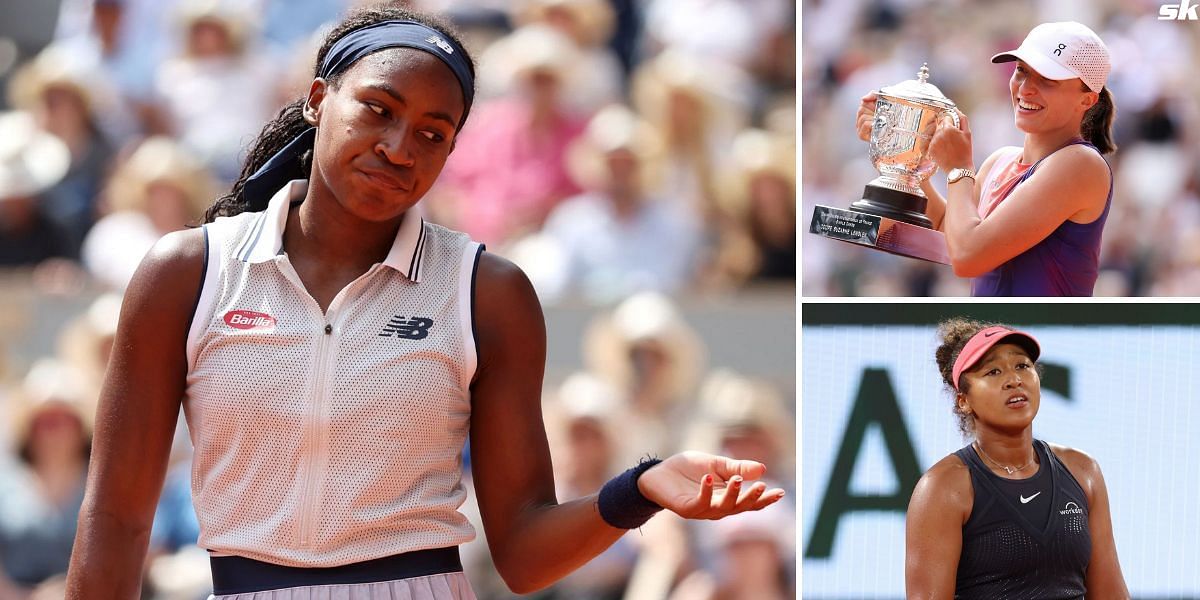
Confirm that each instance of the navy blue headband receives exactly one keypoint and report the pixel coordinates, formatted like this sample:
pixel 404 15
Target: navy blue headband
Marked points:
pixel 283 166
pixel 401 34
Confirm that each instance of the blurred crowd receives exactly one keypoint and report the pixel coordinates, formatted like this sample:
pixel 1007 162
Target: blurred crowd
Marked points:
pixel 662 132
pixel 1151 244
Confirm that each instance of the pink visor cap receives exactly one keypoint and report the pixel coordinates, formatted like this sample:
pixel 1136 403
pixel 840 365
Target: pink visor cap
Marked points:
pixel 983 341
pixel 1064 50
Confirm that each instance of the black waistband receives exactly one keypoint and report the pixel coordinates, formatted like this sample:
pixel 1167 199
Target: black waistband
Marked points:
pixel 240 575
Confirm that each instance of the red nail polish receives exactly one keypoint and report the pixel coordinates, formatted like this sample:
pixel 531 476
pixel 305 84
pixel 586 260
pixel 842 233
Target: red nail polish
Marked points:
pixel 708 480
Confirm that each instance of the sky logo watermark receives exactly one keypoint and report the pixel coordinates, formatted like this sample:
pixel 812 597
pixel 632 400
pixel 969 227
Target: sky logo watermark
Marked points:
pixel 1185 11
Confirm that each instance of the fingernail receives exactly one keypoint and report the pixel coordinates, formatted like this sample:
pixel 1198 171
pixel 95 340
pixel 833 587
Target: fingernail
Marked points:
pixel 737 480
pixel 708 480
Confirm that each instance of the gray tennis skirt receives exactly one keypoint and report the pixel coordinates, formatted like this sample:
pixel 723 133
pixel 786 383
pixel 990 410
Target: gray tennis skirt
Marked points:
pixel 443 586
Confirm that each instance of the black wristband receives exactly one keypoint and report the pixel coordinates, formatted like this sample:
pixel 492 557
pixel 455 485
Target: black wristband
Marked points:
pixel 622 504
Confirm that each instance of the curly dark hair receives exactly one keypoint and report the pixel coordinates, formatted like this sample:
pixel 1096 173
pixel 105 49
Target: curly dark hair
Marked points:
pixel 289 122
pixel 954 334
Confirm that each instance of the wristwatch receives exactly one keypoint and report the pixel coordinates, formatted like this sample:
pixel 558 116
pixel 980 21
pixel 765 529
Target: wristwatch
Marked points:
pixel 956 174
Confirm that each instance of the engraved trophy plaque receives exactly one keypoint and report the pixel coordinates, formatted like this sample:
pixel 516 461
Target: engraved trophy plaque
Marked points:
pixel 890 216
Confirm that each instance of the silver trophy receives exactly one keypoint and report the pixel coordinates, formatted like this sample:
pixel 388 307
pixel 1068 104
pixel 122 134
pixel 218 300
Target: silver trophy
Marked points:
pixel 891 214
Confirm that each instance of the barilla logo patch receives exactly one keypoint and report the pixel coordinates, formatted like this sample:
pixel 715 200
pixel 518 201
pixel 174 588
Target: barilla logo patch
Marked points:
pixel 248 319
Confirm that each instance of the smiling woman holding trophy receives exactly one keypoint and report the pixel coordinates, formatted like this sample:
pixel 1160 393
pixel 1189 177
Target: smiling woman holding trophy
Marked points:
pixel 1029 221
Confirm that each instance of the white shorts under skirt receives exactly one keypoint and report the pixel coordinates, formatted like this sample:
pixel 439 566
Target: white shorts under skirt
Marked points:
pixel 443 586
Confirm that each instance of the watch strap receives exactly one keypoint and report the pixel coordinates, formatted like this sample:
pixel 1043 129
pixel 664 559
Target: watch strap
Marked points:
pixel 955 174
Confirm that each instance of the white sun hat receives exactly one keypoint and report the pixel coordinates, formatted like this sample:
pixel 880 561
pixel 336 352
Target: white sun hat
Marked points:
pixel 31 160
pixel 1064 50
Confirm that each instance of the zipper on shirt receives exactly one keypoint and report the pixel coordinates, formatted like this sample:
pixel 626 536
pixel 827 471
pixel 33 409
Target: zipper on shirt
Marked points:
pixel 314 433
pixel 315 459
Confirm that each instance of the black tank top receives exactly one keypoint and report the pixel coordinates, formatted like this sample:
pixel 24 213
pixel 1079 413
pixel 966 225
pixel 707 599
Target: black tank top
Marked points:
pixel 1009 550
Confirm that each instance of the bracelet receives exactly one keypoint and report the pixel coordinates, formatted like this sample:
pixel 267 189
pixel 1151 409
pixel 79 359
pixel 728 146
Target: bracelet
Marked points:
pixel 622 504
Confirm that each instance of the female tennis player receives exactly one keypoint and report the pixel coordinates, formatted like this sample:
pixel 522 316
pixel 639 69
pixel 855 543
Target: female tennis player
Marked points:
pixel 1008 516
pixel 332 352
pixel 1030 222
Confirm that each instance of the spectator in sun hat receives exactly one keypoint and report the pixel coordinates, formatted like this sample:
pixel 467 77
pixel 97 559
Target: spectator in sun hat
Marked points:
pixel 31 162
pixel 509 170
pixel 61 68
pixel 590 24
pixel 698 107
pixel 756 220
pixel 622 234
pixel 652 356
pixel 218 92
pixel 80 109
pixel 122 42
pixel 161 187
pixel 41 494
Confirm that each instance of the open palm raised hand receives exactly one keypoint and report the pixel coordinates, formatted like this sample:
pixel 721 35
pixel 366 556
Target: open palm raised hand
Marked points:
pixel 695 485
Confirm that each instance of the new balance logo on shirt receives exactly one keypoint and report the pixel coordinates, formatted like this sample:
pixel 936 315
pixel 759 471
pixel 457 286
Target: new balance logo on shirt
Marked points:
pixel 414 328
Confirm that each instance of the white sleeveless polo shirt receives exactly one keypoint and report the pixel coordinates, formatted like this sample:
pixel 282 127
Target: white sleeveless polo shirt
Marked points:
pixel 323 439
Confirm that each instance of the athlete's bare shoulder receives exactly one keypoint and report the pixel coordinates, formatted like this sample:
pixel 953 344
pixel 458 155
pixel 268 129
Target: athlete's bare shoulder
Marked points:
pixel 508 316
pixel 168 278
pixel 1072 456
pixel 172 252
pixel 985 168
pixel 1080 156
pixel 1082 466
pixel 183 246
pixel 501 286
pixel 946 486
pixel 949 473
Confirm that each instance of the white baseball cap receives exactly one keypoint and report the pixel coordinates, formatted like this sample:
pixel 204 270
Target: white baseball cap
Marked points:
pixel 1063 50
